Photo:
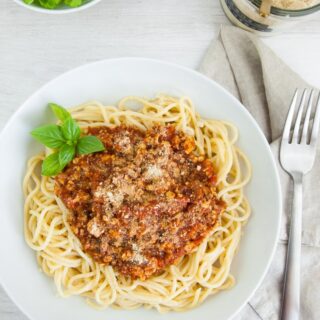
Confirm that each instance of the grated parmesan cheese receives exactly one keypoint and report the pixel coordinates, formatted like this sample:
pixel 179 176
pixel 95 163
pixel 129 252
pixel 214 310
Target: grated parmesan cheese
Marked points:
pixel 294 4
pixel 115 199
pixel 95 228
pixel 154 171
pixel 137 256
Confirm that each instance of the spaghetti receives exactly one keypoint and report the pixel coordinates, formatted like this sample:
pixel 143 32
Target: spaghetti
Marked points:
pixel 186 284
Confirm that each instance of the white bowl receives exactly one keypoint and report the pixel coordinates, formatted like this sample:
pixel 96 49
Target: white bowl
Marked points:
pixel 88 4
pixel 108 81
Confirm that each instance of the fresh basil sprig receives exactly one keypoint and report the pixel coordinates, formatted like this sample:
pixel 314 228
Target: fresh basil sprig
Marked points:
pixel 53 4
pixel 65 140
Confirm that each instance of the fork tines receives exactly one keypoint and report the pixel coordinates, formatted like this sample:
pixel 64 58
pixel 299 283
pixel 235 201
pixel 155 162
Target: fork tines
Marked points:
pixel 293 131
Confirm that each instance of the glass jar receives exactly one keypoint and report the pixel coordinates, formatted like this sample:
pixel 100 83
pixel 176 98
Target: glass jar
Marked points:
pixel 246 14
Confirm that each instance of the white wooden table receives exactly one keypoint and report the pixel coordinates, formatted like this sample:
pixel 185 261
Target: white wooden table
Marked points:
pixel 35 48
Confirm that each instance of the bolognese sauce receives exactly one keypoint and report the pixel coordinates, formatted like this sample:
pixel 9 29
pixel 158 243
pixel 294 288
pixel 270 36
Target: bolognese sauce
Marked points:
pixel 144 202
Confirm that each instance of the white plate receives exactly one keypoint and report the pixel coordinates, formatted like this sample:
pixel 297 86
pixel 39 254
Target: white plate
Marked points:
pixel 65 9
pixel 108 81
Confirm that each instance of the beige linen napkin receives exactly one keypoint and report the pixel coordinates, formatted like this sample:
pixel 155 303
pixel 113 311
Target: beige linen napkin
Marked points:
pixel 241 63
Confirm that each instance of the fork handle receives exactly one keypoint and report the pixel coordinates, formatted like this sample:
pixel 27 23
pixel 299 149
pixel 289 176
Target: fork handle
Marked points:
pixel 291 290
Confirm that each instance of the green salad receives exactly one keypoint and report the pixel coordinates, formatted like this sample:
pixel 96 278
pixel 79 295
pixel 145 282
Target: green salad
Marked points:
pixel 53 4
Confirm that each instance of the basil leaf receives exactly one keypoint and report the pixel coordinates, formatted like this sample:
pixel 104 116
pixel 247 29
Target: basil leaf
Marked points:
pixel 49 135
pixel 49 4
pixel 71 130
pixel 28 1
pixel 66 154
pixel 89 144
pixel 73 3
pixel 61 113
pixel 51 165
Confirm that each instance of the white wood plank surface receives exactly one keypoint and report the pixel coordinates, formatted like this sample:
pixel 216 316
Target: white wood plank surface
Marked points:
pixel 35 48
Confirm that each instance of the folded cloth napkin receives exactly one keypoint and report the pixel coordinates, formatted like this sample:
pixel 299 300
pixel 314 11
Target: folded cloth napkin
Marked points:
pixel 252 72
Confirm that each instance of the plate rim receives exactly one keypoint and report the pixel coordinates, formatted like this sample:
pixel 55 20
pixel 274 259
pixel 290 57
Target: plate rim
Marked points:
pixel 56 11
pixel 196 73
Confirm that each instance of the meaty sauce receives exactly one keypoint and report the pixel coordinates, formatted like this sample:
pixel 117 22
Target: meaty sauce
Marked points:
pixel 144 202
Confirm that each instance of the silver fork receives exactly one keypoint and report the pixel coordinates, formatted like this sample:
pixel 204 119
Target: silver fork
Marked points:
pixel 297 155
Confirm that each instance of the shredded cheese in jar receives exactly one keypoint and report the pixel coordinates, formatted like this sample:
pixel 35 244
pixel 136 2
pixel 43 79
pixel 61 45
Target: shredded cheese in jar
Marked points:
pixel 294 4
pixel 283 14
